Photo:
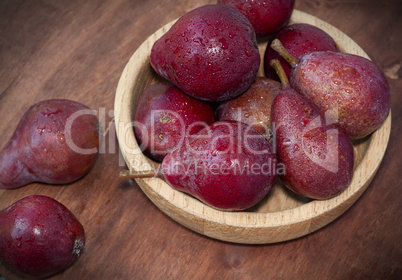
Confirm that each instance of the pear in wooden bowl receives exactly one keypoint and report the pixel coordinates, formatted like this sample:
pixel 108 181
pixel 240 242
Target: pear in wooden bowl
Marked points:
pixel 281 215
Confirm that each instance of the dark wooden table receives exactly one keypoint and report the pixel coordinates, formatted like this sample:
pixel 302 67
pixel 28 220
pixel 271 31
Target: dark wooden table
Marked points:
pixel 78 49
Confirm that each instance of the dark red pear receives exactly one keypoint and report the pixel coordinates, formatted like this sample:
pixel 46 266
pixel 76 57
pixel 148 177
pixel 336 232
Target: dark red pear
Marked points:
pixel 317 155
pixel 165 115
pixel 228 165
pixel 210 53
pixel 39 236
pixel 298 39
pixel 266 16
pixel 252 107
pixel 351 90
pixel 56 142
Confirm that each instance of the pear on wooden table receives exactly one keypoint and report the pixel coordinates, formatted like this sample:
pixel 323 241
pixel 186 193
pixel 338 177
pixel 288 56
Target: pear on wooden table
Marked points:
pixel 55 142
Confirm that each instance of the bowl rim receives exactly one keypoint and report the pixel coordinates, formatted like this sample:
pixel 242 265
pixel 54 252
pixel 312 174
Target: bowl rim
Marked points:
pixel 176 204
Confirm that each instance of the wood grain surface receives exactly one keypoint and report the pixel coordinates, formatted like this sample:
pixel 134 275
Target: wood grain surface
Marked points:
pixel 78 49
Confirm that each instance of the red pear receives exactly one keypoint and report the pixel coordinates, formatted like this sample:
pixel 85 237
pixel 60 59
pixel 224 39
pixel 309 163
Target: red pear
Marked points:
pixel 252 107
pixel 318 156
pixel 165 115
pixel 266 16
pixel 298 39
pixel 39 236
pixel 210 53
pixel 56 142
pixel 227 165
pixel 351 90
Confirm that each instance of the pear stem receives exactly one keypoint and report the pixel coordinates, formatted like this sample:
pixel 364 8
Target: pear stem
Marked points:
pixel 132 174
pixel 276 64
pixel 279 48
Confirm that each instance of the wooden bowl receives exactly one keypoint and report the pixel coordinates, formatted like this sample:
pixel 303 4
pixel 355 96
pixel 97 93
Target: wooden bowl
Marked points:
pixel 282 215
